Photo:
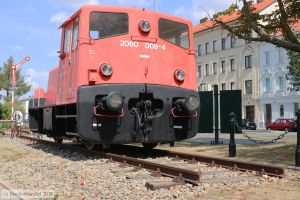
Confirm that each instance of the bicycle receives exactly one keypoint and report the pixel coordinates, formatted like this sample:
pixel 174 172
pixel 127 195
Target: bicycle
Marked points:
pixel 15 131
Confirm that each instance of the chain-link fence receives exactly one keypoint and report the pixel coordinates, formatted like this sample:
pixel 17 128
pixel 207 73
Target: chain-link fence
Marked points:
pixel 259 141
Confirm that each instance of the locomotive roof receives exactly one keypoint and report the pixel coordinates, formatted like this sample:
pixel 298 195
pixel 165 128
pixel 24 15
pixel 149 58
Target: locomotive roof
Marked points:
pixel 89 8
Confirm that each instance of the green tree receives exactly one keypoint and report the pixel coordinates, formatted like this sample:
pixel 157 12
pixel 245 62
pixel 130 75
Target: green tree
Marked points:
pixel 267 26
pixel 6 85
pixel 233 7
pixel 294 70
pixel 5 110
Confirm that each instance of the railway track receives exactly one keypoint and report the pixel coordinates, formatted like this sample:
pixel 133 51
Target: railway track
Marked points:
pixel 190 168
pixel 234 164
pixel 158 169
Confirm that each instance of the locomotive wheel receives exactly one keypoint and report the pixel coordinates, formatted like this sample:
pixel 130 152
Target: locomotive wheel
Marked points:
pixel 58 140
pixel 89 145
pixel 149 146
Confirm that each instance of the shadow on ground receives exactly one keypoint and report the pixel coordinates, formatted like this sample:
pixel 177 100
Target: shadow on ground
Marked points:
pixel 78 155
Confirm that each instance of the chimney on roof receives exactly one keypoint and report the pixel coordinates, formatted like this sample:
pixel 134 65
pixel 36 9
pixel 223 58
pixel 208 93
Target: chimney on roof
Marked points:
pixel 203 20
pixel 258 1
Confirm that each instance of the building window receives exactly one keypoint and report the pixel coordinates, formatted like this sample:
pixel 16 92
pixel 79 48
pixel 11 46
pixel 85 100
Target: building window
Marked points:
pixel 223 66
pixel 267 57
pixel 232 85
pixel 206 69
pixel 232 42
pixel 296 108
pixel 268 85
pixel 214 45
pixel 281 83
pixel 203 87
pixel 248 87
pixel 223 43
pixel 215 68
pixel 248 61
pixel 231 64
pixel 223 86
pixel 281 110
pixel 248 41
pixel 250 112
pixel 206 47
pixel 199 49
pixel 199 71
pixel 280 55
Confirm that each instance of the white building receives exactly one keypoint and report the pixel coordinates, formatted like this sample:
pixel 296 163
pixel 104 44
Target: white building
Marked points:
pixel 276 99
pixel 229 62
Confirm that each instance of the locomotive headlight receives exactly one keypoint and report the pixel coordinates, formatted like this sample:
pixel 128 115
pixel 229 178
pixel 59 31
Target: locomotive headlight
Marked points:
pixel 179 75
pixel 106 69
pixel 114 101
pixel 191 103
pixel 145 26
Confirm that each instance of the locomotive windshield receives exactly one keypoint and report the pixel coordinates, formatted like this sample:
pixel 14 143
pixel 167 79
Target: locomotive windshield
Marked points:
pixel 103 24
pixel 174 32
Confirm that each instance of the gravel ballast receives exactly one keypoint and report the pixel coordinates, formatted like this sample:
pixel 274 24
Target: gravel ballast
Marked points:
pixel 73 175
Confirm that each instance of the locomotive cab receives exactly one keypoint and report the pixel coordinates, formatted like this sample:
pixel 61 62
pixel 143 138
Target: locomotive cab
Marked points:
pixel 125 75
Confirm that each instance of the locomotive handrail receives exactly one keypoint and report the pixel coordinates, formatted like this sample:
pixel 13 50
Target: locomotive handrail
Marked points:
pixel 183 116
pixel 192 52
pixel 104 115
pixel 144 39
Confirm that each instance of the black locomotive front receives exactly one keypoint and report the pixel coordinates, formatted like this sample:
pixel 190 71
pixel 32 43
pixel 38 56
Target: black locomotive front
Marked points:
pixel 143 113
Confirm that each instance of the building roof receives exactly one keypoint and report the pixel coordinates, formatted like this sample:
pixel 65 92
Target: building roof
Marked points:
pixel 296 26
pixel 231 17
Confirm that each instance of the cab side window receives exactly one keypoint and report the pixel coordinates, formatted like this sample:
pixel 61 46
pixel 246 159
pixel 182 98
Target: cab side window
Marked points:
pixel 67 38
pixel 75 33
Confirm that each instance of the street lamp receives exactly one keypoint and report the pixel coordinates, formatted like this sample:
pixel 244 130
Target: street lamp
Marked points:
pixel 14 68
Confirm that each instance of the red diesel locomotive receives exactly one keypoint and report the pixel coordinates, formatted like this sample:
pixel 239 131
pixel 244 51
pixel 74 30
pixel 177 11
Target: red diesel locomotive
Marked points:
pixel 125 76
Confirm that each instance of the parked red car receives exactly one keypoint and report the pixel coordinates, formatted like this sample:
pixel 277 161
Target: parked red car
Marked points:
pixel 282 125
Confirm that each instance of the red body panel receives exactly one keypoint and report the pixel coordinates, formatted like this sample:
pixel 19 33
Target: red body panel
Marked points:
pixel 52 87
pixel 130 64
pixel 39 93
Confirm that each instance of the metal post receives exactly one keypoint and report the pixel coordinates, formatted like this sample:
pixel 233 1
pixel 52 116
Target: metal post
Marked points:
pixel 14 69
pixel 297 155
pixel 12 101
pixel 216 98
pixel 232 146
pixel 154 5
pixel 13 81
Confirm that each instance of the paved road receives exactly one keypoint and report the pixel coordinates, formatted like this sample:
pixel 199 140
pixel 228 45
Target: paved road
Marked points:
pixel 240 139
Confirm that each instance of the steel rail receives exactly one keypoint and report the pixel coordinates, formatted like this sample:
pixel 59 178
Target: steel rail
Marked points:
pixel 235 164
pixel 178 174
pixel 271 170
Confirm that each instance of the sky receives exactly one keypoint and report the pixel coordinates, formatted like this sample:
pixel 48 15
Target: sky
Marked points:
pixel 30 27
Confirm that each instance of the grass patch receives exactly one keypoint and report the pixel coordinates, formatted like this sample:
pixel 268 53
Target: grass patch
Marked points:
pixel 257 192
pixel 281 154
pixel 8 153
pixel 278 153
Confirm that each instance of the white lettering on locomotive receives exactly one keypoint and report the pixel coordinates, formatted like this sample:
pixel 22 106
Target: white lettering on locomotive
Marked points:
pixel 148 45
